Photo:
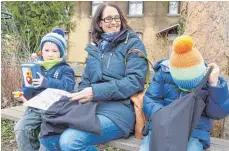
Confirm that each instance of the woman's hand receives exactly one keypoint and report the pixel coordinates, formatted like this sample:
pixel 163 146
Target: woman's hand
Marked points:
pixel 18 95
pixel 83 96
pixel 214 76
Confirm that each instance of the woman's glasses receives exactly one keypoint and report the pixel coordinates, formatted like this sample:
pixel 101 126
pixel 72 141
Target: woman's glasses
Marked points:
pixel 110 19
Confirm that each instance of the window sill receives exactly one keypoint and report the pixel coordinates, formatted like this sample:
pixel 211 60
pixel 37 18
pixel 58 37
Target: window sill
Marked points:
pixel 173 15
pixel 135 16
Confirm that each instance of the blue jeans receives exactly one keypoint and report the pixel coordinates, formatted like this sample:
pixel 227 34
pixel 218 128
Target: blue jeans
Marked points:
pixel 193 145
pixel 76 140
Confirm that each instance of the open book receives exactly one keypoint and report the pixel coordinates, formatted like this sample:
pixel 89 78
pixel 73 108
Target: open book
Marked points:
pixel 46 98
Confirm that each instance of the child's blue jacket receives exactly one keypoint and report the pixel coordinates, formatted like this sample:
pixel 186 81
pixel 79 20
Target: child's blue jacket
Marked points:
pixel 162 91
pixel 61 76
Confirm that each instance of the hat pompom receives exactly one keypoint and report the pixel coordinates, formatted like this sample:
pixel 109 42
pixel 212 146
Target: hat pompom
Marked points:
pixel 182 44
pixel 58 31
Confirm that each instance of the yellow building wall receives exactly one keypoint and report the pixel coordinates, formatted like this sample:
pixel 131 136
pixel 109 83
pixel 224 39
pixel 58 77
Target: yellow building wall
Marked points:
pixel 155 18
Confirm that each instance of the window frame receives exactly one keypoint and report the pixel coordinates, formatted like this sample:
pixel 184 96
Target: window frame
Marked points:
pixel 178 11
pixel 135 15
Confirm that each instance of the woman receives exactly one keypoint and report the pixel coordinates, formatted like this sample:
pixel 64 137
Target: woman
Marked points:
pixel 111 76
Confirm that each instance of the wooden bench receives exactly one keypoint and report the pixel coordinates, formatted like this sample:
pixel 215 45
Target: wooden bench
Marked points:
pixel 130 144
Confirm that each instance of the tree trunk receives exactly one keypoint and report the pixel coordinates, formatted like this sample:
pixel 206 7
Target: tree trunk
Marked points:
pixel 208 24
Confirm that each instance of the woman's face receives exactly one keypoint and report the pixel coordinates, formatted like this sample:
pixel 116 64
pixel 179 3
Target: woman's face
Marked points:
pixel 110 20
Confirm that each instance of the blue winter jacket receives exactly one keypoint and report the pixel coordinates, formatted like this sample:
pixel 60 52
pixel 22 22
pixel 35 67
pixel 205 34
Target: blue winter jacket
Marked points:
pixel 113 81
pixel 107 73
pixel 61 76
pixel 159 95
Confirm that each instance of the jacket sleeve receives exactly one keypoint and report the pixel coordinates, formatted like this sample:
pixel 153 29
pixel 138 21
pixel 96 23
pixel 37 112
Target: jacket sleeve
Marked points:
pixel 27 92
pixel 217 106
pixel 66 82
pixel 31 92
pixel 133 82
pixel 153 99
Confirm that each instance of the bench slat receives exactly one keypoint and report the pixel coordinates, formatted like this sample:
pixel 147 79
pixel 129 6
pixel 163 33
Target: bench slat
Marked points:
pixel 130 144
pixel 20 108
pixel 11 114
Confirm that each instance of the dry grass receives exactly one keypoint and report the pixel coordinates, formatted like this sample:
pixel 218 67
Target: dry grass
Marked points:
pixel 217 128
pixel 12 55
pixel 11 79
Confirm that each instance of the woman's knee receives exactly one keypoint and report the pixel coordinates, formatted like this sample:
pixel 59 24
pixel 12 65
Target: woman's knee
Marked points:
pixel 195 144
pixel 72 139
pixel 145 143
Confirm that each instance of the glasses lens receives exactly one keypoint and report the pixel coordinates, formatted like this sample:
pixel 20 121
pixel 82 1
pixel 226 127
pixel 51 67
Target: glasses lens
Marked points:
pixel 108 19
pixel 117 19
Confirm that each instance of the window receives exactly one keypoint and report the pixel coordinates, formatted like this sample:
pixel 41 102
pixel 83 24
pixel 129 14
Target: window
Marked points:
pixel 174 7
pixel 140 35
pixel 94 6
pixel 135 8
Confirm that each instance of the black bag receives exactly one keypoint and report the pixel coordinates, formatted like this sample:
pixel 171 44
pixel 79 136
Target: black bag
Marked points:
pixel 172 126
pixel 65 114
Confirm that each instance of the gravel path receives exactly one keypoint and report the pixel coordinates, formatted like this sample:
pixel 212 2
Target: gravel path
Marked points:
pixel 8 144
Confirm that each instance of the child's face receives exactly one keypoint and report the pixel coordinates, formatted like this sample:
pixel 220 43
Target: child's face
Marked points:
pixel 50 51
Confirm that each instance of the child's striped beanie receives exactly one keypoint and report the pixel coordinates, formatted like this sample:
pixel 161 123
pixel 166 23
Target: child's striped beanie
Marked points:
pixel 57 37
pixel 186 63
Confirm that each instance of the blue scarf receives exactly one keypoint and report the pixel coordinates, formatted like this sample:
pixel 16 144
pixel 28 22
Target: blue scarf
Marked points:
pixel 107 38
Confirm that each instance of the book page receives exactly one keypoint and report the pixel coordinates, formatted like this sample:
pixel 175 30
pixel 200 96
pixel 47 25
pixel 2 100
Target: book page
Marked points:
pixel 46 98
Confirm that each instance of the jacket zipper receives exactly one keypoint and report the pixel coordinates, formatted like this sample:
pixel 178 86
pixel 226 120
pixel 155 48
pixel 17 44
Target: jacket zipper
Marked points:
pixel 109 60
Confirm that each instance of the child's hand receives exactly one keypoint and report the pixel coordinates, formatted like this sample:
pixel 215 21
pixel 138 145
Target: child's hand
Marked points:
pixel 18 95
pixel 38 82
pixel 214 76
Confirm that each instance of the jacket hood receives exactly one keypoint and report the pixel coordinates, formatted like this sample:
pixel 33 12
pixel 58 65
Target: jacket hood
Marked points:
pixel 163 64
pixel 124 36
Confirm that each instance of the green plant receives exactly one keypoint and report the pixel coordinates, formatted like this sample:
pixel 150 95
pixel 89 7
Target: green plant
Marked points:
pixel 181 28
pixel 33 19
pixel 7 127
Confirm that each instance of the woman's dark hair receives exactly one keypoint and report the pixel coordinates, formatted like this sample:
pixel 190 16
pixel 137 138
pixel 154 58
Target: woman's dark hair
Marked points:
pixel 96 31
